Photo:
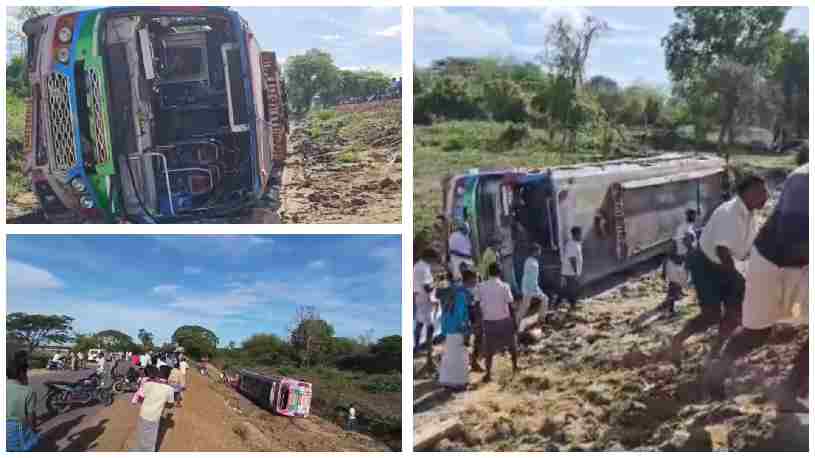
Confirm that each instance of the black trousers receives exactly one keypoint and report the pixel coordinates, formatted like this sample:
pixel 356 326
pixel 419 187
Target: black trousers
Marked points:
pixel 570 289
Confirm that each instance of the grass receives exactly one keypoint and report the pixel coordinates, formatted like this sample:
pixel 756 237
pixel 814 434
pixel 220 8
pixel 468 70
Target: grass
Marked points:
pixel 457 146
pixel 357 132
pixel 16 181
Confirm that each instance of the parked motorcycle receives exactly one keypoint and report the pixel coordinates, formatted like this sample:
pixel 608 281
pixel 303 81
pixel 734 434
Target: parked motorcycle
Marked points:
pixel 55 365
pixel 62 396
pixel 126 383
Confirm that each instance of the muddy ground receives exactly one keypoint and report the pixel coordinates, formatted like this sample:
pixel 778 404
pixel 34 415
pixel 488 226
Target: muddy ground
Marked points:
pixel 213 418
pixel 598 379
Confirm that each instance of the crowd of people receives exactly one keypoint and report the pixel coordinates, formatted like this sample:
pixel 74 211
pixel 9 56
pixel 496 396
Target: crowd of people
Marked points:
pixel 160 378
pixel 746 280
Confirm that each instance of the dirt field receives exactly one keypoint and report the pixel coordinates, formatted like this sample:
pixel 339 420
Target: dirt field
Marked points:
pixel 213 419
pixel 598 380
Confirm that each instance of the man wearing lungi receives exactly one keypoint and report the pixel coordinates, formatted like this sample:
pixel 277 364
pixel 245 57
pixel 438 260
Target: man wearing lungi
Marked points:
pixel 777 290
pixel 498 319
pixel 726 239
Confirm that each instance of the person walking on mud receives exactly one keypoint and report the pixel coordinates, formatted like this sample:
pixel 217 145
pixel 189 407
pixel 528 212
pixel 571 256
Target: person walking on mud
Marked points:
pixel 571 269
pixel 777 290
pixel 423 300
pixel 351 424
pixel 676 272
pixel 455 325
pixel 726 240
pixel 498 319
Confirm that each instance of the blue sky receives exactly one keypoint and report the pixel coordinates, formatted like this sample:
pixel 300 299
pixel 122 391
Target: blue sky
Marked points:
pixel 358 38
pixel 631 52
pixel 234 285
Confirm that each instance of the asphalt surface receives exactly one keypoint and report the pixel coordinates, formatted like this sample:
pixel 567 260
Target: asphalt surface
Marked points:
pixel 57 433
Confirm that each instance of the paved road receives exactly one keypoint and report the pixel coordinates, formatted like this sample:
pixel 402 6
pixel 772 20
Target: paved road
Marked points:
pixel 57 432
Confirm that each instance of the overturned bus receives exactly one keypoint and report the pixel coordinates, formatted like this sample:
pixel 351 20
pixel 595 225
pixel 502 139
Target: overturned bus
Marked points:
pixel 281 395
pixel 151 114
pixel 628 211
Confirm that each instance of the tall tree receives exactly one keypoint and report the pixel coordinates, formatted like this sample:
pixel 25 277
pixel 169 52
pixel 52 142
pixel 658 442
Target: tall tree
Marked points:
pixel 790 68
pixel 35 330
pixel 146 339
pixel 567 47
pixel 724 40
pixel 310 335
pixel 113 340
pixel 196 340
pixel 307 75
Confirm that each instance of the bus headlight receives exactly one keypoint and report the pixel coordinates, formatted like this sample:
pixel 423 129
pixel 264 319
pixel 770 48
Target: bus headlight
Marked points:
pixel 86 202
pixel 65 35
pixel 63 55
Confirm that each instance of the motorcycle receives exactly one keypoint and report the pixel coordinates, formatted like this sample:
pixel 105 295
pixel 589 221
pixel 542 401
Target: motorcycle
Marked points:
pixel 126 383
pixel 62 396
pixel 55 365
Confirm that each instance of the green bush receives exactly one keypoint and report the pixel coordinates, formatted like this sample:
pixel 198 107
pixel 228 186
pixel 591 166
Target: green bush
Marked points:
pixel 512 136
pixel 504 101
pixel 448 98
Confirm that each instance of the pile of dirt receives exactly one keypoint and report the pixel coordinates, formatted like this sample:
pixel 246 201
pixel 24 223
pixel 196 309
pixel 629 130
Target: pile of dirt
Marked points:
pixel 598 380
pixel 344 168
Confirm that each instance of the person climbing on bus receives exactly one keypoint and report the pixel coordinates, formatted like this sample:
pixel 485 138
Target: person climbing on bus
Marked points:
pixel 460 250
pixel 719 283
pixel 777 290
pixel 21 404
pixel 500 329
pixel 571 269
pixel 530 288
pixel 675 267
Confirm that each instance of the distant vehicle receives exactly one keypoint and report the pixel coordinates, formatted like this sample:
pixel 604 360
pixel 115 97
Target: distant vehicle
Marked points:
pixel 628 210
pixel 94 353
pixel 281 395
pixel 151 114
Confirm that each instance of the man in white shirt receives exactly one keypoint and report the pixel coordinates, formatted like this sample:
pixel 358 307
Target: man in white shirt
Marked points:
pixel 460 250
pixel 530 287
pixel 571 268
pixel 726 240
pixel 676 272
pixel 156 397
pixel 498 319
pixel 423 306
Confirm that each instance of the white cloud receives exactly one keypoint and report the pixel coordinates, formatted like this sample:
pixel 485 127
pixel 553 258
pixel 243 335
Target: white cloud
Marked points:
pixel 459 33
pixel 390 32
pixel 317 264
pixel 165 290
pixel 333 37
pixel 190 270
pixel 25 276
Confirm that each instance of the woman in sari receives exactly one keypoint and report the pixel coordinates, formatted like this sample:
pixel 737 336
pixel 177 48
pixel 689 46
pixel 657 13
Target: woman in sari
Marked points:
pixel 454 370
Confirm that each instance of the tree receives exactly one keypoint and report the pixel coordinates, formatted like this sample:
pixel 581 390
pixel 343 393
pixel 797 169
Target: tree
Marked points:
pixel 391 345
pixel 146 339
pixel 15 37
pixel 790 69
pixel 113 340
pixel 503 99
pixel 267 349
pixel 232 345
pixel 309 336
pixel 307 75
pixel 723 41
pixel 196 340
pixel 609 95
pixel 35 330
pixel 567 47
pixel 84 342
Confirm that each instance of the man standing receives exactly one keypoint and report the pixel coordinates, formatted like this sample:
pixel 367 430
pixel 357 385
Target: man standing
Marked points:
pixel 455 324
pixel 571 268
pixel 21 404
pixel 352 418
pixel 777 290
pixel 726 239
pixel 495 299
pixel 676 272
pixel 81 357
pixel 530 286
pixel 423 305
pixel 460 251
